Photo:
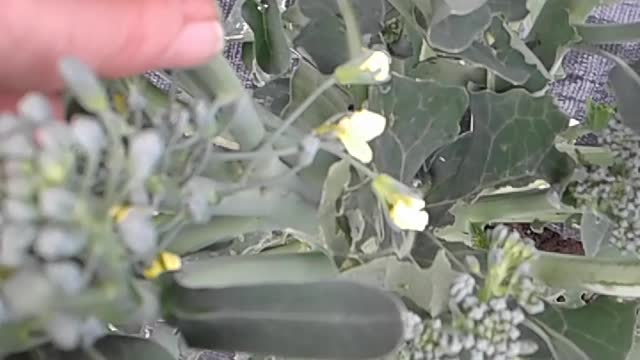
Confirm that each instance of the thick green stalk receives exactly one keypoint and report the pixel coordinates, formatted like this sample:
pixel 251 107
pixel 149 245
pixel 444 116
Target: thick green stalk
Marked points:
pixel 354 41
pixel 596 34
pixel 610 276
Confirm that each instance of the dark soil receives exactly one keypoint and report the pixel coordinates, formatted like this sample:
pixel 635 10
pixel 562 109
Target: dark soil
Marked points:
pixel 551 240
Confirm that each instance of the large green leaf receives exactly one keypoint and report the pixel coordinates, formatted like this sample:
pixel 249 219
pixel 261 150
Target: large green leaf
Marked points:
pixel 112 347
pixel 223 271
pixel 427 288
pixel 450 71
pixel 552 31
pixel 323 37
pixel 270 45
pixel 453 33
pixel 603 329
pixel 513 10
pixel 511 143
pixel 423 115
pixel 330 319
pixel 503 53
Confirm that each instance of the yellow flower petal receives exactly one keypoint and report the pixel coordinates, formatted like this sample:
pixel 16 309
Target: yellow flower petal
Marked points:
pixel 379 64
pixel 165 262
pixel 407 217
pixel 119 213
pixel 356 147
pixel 364 124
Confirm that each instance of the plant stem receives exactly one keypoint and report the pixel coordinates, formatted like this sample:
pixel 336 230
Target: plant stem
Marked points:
pixel 356 164
pixel 596 155
pixel 354 41
pixel 288 122
pixel 611 276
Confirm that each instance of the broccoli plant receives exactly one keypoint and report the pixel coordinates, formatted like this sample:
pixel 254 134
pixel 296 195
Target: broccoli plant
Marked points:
pixel 357 204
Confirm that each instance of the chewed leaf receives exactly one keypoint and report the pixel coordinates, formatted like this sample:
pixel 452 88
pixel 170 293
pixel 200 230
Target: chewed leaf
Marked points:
pixel 503 53
pixel 84 85
pixel 511 143
pixel 454 33
pixel 427 288
pixel 552 31
pixel 602 330
pixel 423 116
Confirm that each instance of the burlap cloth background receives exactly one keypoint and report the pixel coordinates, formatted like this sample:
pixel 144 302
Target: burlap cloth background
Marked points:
pixel 586 76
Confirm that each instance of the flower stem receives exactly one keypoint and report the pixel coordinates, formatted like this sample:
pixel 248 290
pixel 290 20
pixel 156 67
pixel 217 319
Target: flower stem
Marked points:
pixel 289 121
pixel 356 164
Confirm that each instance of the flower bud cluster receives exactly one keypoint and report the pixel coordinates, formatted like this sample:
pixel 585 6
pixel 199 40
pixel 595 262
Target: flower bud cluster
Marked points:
pixel 485 321
pixel 612 190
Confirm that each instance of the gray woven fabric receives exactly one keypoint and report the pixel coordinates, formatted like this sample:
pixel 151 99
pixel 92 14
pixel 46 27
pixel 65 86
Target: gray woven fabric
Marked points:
pixel 586 74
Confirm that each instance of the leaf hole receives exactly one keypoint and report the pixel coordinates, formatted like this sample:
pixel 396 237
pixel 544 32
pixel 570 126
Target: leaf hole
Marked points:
pixel 561 299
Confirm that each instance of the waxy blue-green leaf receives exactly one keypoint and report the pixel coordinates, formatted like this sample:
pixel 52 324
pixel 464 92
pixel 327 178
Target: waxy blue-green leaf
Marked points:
pixel 552 31
pixel 449 71
pixel 454 33
pixel 225 271
pixel 270 44
pixel 422 116
pixel 427 288
pixel 112 347
pixel 319 319
pixel 603 329
pixel 503 53
pixel 512 142
pixel 513 10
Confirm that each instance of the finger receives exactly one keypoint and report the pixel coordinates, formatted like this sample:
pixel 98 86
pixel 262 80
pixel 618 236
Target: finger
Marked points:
pixel 115 37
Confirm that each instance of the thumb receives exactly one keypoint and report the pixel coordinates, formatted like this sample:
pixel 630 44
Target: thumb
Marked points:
pixel 115 37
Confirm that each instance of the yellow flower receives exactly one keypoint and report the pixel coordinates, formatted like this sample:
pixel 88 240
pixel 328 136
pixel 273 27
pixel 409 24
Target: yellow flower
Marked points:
pixel 119 213
pixel 355 130
pixel 406 207
pixel 165 262
pixel 378 63
pixel 372 68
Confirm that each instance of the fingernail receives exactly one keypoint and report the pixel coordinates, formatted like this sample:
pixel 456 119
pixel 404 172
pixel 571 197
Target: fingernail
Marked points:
pixel 195 44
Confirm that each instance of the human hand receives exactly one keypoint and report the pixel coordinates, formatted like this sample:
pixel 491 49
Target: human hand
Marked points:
pixel 115 37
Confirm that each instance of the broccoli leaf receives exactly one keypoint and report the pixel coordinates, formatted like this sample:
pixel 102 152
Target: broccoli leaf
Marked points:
pixel 423 115
pixel 511 143
pixel 603 329
pixel 427 288
pixel 503 53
